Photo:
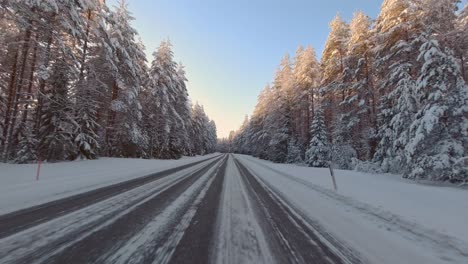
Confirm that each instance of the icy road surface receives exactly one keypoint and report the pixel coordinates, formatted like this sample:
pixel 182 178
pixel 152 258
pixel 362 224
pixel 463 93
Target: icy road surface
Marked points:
pixel 223 209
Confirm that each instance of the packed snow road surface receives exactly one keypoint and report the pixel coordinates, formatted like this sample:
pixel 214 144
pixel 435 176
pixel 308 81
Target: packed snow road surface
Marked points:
pixel 223 209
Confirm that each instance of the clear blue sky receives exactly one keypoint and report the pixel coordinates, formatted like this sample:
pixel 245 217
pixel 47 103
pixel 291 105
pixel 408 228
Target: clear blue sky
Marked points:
pixel 232 48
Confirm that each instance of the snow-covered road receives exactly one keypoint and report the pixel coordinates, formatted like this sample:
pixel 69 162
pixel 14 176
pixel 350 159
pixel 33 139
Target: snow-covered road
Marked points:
pixel 225 209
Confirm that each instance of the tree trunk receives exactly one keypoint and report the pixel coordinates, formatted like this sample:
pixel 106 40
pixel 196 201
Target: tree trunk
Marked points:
pixel 341 73
pixel 29 93
pixel 310 113
pixel 462 60
pixel 111 116
pixel 42 84
pixel 11 95
pixel 85 45
pixel 14 114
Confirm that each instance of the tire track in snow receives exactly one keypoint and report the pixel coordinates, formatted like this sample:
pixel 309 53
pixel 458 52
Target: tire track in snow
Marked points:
pixel 239 236
pixel 292 239
pixel 157 242
pixel 199 238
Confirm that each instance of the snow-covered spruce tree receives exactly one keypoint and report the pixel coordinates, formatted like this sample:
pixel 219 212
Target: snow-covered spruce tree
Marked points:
pixel 405 108
pixel 246 141
pixel 294 153
pixel 397 118
pixel 279 118
pixel 98 83
pixel 211 137
pixel 394 32
pixel 45 30
pixel 247 138
pixel 86 127
pixel 182 106
pixel 124 133
pixel 96 73
pixel 257 135
pixel 278 123
pixel 438 137
pixel 166 114
pixel 56 132
pixel 203 132
pixel 27 148
pixel 318 154
pixel 342 151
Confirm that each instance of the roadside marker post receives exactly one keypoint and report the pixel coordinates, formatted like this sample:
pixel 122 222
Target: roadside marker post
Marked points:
pixel 332 173
pixel 38 170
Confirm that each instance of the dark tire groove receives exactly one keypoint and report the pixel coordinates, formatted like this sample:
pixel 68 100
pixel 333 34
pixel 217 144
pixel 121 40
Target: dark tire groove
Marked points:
pixel 279 224
pixel 198 240
pixel 149 256
pixel 15 222
pixel 111 237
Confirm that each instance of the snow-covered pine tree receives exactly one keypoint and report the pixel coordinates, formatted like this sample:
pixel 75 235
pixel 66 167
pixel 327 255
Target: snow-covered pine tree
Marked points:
pixel 318 154
pixel 438 137
pixel 306 80
pixel 333 66
pixel 17 88
pixel 8 61
pixel 457 40
pixel 438 16
pixel 461 29
pixel 357 121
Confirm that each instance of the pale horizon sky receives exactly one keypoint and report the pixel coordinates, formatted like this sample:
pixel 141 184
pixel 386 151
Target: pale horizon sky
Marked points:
pixel 231 49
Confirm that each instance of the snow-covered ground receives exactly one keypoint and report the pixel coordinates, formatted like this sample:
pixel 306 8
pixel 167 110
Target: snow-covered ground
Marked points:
pixel 385 218
pixel 373 218
pixel 19 188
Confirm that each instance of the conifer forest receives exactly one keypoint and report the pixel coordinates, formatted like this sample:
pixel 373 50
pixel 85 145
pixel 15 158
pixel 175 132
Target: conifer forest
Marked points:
pixel 388 94
pixel 75 83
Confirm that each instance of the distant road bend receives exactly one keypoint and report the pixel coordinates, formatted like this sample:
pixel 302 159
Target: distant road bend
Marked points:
pixel 213 211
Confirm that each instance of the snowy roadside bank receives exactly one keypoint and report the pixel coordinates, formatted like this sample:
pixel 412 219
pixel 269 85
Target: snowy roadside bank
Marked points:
pixel 19 188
